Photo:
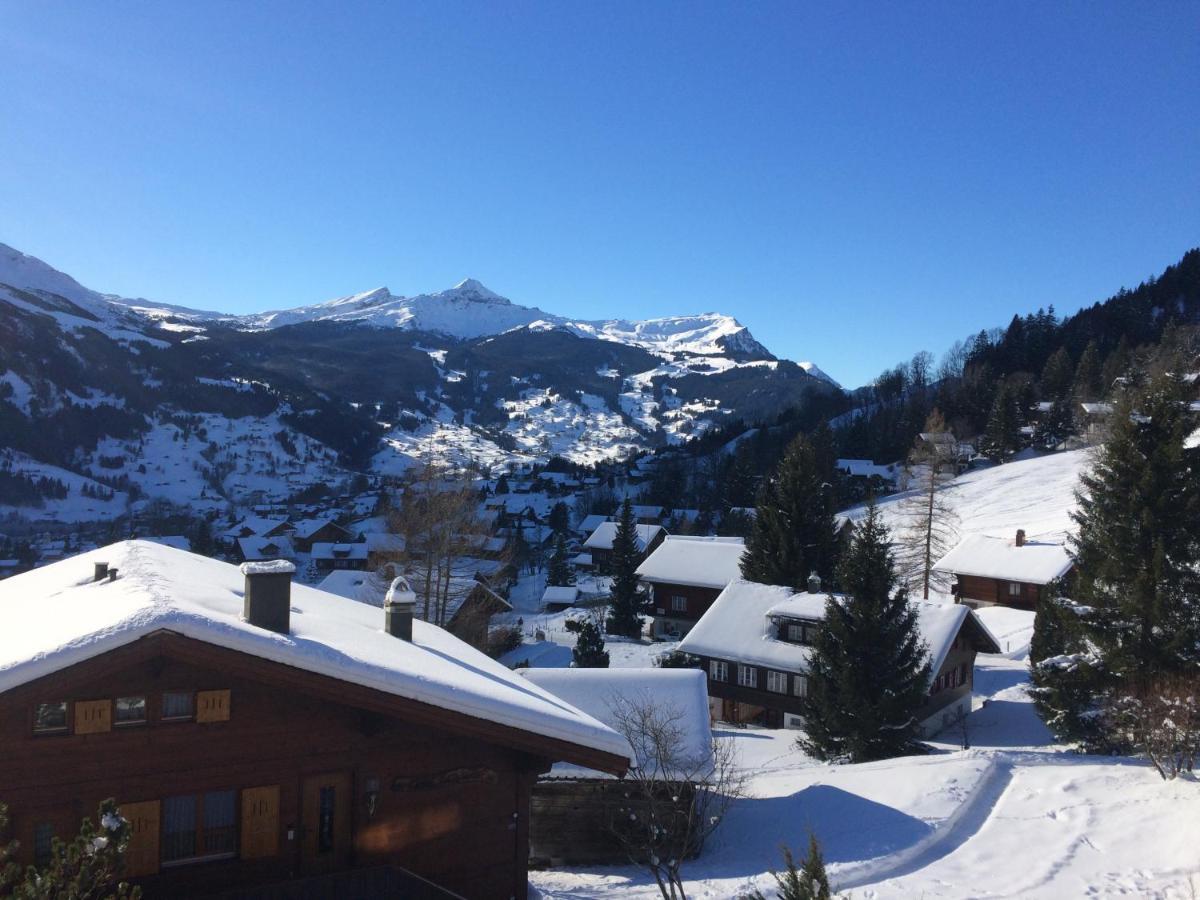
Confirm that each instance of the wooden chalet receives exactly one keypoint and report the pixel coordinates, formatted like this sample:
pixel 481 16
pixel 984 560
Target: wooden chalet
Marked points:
pixel 257 548
pixel 754 646
pixel 328 556
pixel 600 543
pixel 573 808
pixel 994 571
pixel 267 739
pixel 685 575
pixel 308 532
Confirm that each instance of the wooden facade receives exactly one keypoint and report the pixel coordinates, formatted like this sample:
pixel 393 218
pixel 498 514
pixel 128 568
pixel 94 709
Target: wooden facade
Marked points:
pixel 270 773
pixel 677 607
pixel 995 591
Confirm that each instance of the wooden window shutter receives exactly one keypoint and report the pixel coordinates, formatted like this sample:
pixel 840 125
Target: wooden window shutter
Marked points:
pixel 212 706
pixel 141 857
pixel 260 822
pixel 93 716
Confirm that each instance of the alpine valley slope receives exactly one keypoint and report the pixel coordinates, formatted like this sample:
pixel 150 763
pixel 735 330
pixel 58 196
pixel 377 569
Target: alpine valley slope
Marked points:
pixel 196 406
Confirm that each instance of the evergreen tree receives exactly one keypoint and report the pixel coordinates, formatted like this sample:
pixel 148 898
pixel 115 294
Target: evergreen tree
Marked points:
pixel 1057 375
pixel 560 518
pixel 869 668
pixel 1086 386
pixel 808 881
pixel 794 533
pixel 559 573
pixel 589 652
pixel 502 485
pixel 626 599
pixel 1136 610
pixel 1003 436
pixel 88 867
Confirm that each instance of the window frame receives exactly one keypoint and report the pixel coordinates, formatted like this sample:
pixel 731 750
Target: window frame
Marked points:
pixel 118 722
pixel 200 829
pixel 716 666
pixel 779 680
pixel 747 676
pixel 39 829
pixel 65 728
pixel 679 603
pixel 799 685
pixel 162 712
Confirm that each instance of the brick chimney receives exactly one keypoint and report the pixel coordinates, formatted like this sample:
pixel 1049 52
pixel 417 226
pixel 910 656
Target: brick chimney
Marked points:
pixel 1020 537
pixel 101 571
pixel 267 601
pixel 399 607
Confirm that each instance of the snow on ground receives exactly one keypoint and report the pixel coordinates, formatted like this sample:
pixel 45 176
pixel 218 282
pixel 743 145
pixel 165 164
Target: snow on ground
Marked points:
pixel 1035 494
pixel 75 507
pixel 1015 816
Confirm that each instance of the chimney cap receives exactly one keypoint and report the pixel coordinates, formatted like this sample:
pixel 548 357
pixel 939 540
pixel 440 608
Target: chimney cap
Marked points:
pixel 268 567
pixel 814 582
pixel 1020 537
pixel 400 593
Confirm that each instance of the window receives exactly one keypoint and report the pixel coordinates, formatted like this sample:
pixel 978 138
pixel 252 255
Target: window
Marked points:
pixel 1014 589
pixel 196 826
pixel 800 686
pixel 678 604
pixel 131 710
pixel 718 670
pixel 43 844
pixel 776 681
pixel 50 718
pixel 800 632
pixel 748 676
pixel 178 705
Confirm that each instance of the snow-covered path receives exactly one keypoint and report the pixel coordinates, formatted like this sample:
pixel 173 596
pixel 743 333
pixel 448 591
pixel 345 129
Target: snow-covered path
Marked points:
pixel 1013 817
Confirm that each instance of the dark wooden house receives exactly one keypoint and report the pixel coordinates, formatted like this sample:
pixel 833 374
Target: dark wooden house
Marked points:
pixel 685 575
pixel 307 532
pixel 261 735
pixel 994 571
pixel 754 646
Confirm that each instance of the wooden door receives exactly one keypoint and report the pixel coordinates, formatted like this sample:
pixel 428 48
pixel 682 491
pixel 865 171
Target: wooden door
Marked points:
pixel 325 822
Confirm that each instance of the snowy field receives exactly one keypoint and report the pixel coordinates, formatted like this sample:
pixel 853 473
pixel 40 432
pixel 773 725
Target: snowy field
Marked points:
pixel 1012 817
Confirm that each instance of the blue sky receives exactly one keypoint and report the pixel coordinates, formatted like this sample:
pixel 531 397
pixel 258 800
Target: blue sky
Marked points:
pixel 854 183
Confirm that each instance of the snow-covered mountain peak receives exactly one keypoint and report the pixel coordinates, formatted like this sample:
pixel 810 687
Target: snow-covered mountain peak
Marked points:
pixel 475 290
pixel 20 270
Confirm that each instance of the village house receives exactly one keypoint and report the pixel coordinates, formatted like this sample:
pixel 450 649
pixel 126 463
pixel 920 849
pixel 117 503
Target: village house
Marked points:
pixel 326 556
pixel 995 571
pixel 754 645
pixel 259 734
pixel 256 548
pixel 599 544
pixel 255 526
pixel 572 808
pixel 556 598
pixel 307 532
pixel 685 575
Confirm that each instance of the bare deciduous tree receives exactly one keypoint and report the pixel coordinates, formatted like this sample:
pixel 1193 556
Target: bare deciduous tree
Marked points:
pixel 930 525
pixel 676 797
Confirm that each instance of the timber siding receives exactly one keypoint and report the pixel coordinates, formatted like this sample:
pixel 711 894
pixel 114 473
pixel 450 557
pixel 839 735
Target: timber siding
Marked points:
pixel 996 591
pixel 667 618
pixel 453 798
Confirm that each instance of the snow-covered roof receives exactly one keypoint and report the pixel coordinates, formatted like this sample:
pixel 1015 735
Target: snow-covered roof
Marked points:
pixel 256 525
pixel 55 617
pixel 696 561
pixel 258 547
pixel 178 541
pixel 602 537
pixel 680 695
pixel 306 528
pixel 560 594
pixel 740 626
pixel 331 550
pixel 647 512
pixel 984 556
pixel 384 542
pixel 1097 409
pixel 591 523
pixel 865 468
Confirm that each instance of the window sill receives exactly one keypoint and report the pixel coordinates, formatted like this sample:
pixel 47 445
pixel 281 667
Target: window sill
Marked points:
pixel 196 860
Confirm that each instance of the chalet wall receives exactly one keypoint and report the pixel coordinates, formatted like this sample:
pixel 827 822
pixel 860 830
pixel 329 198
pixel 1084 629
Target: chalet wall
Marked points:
pixel 993 590
pixel 450 808
pixel 699 599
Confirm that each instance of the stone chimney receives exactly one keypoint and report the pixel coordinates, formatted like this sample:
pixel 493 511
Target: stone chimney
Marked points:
pixel 399 607
pixel 101 572
pixel 267 601
pixel 1020 537
pixel 814 583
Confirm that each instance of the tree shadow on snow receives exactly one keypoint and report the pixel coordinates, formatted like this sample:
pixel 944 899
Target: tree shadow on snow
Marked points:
pixel 848 826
